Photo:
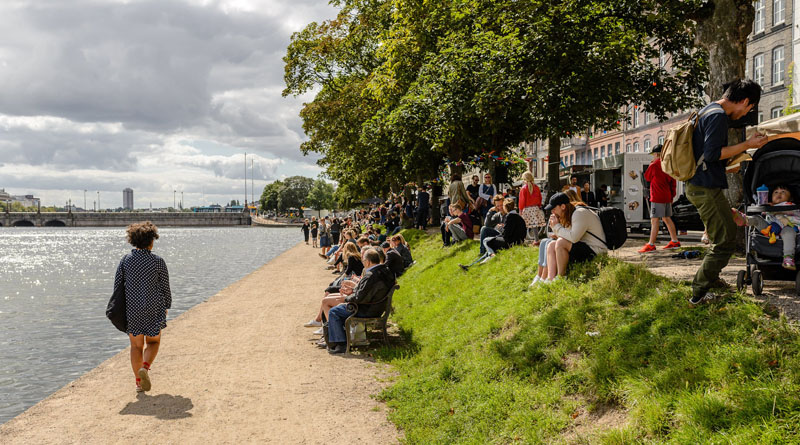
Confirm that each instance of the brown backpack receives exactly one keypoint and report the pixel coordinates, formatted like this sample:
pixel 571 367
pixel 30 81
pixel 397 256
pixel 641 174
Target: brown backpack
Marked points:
pixel 677 154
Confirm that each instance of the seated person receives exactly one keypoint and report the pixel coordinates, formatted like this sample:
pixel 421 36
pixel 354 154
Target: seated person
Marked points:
pixel 580 235
pixel 401 246
pixel 394 261
pixel 511 232
pixel 774 224
pixel 369 294
pixel 457 226
pixel 494 217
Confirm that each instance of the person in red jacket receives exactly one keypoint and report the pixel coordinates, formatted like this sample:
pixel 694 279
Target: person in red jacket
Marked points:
pixel 662 192
pixel 530 206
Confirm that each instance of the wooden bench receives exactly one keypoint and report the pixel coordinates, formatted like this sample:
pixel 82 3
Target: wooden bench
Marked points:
pixel 377 322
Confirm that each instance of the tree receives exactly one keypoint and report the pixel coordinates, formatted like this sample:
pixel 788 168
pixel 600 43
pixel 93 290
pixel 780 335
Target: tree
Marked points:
pixel 295 191
pixel 270 196
pixel 321 196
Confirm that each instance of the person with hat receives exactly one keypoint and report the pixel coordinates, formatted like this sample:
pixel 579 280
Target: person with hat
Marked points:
pixel 579 232
pixel 662 192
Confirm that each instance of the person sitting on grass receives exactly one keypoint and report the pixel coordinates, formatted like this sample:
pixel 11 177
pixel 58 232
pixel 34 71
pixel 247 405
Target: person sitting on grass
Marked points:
pixel 495 217
pixel 580 235
pixel 457 226
pixel 394 261
pixel 512 231
pixel 369 294
pixel 401 246
pixel 542 272
pixel 774 224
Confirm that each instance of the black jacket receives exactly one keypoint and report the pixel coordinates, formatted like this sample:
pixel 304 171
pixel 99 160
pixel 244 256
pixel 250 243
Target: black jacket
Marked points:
pixel 394 261
pixel 371 292
pixel 514 231
pixel 402 249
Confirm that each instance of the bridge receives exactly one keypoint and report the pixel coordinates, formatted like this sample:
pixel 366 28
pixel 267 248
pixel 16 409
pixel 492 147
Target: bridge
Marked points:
pixel 122 219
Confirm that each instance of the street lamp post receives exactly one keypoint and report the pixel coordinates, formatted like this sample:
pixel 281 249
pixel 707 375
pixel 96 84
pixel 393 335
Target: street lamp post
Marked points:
pixel 84 200
pixel 181 199
pixel 173 199
pixel 98 200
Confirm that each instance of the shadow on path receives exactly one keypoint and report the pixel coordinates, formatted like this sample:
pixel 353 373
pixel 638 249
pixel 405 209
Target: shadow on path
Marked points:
pixel 162 406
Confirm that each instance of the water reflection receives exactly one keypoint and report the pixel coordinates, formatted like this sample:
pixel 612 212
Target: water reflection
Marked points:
pixel 55 283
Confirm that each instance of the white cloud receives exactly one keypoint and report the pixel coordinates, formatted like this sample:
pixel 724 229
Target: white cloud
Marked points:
pixel 151 94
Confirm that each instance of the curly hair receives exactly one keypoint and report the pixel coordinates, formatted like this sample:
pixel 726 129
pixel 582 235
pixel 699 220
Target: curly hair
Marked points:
pixel 141 235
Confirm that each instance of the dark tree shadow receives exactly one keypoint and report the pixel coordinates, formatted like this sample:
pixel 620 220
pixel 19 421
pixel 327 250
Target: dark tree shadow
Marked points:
pixel 162 406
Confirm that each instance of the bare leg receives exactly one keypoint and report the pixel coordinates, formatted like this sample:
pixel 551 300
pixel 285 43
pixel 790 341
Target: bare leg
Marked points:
pixel 152 348
pixel 562 255
pixel 542 273
pixel 673 232
pixel 552 267
pixel 329 302
pixel 137 345
pixel 654 230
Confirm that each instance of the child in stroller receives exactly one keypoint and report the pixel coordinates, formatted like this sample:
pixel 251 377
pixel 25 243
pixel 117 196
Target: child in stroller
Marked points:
pixel 773 224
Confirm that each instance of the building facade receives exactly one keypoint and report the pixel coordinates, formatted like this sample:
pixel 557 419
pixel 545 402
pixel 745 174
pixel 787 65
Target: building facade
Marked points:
pixel 127 199
pixel 770 53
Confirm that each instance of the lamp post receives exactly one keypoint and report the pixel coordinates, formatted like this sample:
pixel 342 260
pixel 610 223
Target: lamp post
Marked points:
pixel 181 200
pixel 84 201
pixel 98 200
pixel 173 199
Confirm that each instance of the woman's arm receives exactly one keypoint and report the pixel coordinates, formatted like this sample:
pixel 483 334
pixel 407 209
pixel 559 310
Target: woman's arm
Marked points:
pixel 163 284
pixel 119 277
pixel 574 234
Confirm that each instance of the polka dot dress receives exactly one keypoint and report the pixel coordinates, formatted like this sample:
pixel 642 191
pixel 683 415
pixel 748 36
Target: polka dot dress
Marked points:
pixel 147 293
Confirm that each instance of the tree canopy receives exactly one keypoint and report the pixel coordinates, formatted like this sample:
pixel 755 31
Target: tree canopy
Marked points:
pixel 404 85
pixel 292 192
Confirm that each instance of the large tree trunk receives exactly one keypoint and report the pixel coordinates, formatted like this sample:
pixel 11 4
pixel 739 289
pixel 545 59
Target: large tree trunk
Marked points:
pixel 553 164
pixel 723 34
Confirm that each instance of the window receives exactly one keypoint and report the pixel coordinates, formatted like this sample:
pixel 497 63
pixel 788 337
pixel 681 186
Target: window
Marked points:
pixel 595 153
pixel 602 151
pixel 635 118
pixel 544 167
pixel 616 148
pixel 661 140
pixel 534 168
pixel 646 118
pixel 760 19
pixel 778 11
pixel 777 65
pixel 758 69
pixel 647 145
pixel 662 58
pixel 628 148
pixel 571 159
pixel 760 117
pixel 636 147
pixel 776 112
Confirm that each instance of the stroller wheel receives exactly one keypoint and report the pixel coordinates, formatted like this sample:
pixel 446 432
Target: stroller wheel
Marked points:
pixel 740 280
pixel 758 283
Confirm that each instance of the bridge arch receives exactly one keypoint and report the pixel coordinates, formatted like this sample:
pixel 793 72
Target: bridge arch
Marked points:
pixel 55 223
pixel 23 223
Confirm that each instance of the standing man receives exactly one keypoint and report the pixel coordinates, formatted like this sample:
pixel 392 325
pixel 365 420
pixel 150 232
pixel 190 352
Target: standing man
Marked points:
pixel 704 190
pixel 486 193
pixel 602 196
pixel 472 189
pixel 662 191
pixel 587 195
pixel 423 207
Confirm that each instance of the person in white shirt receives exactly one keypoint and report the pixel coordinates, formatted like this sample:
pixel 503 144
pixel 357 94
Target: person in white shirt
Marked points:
pixel 580 235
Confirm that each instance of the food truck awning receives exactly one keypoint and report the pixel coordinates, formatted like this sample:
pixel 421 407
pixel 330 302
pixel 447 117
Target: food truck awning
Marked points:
pixel 609 162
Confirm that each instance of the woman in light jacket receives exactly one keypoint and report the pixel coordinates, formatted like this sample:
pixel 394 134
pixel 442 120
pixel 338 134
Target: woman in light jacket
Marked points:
pixel 580 235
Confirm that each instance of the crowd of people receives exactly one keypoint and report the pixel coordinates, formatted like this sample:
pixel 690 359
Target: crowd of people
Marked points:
pixel 366 262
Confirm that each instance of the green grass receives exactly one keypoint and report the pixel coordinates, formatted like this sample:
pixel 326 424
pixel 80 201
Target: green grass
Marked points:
pixel 486 360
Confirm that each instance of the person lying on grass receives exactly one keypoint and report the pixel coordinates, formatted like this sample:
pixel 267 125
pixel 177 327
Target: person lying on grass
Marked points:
pixel 580 235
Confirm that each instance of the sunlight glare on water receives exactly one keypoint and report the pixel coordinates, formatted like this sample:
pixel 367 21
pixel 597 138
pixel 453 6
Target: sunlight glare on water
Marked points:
pixel 55 284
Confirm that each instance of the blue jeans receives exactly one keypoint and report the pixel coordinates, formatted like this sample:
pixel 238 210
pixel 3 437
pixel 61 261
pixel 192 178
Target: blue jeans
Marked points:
pixel 543 251
pixel 486 232
pixel 332 251
pixel 336 317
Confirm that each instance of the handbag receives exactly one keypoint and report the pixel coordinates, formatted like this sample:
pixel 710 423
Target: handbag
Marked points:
pixel 115 311
pixel 480 203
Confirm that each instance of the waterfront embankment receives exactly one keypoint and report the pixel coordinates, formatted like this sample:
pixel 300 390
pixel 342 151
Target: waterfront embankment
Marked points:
pixel 237 368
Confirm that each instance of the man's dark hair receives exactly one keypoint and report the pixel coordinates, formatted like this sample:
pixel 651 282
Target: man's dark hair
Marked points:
pixel 739 90
pixel 141 235
pixel 385 245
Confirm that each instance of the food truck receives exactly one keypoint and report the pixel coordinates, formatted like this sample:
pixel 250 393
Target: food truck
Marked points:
pixel 623 175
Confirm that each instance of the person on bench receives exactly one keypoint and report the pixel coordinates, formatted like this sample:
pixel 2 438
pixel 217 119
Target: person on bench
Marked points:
pixel 370 295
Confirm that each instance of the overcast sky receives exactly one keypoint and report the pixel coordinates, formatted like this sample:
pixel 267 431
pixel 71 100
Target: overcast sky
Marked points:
pixel 155 95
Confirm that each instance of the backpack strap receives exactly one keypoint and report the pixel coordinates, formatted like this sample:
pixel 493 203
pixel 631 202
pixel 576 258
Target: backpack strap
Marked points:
pixel 595 210
pixel 701 161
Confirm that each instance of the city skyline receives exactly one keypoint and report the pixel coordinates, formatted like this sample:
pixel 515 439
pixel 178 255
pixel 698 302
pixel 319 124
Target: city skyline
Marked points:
pixel 155 96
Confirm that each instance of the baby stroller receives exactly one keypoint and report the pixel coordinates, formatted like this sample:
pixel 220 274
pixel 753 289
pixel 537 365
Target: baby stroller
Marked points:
pixel 776 163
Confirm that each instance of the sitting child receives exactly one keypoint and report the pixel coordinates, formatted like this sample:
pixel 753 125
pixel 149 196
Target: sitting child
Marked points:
pixel 783 224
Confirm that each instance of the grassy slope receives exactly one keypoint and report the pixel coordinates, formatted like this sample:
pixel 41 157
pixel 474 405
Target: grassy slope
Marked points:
pixel 489 361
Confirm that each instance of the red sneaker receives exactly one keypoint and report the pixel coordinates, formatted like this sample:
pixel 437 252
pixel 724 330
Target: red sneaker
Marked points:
pixel 672 245
pixel 647 248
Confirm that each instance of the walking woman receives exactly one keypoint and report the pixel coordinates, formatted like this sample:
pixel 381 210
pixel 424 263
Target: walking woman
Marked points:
pixel 314 229
pixel 147 297
pixel 305 230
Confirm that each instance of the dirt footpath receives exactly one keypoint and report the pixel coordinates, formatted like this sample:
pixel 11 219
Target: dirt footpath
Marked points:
pixel 237 369
pixel 779 294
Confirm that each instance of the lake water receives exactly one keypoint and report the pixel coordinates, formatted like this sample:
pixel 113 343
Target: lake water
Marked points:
pixel 55 284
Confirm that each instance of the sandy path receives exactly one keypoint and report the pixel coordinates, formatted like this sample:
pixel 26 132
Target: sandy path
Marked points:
pixel 258 380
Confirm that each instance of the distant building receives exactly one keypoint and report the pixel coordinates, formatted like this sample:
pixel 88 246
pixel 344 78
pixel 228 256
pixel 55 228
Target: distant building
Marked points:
pixel 4 195
pixel 127 199
pixel 213 208
pixel 26 200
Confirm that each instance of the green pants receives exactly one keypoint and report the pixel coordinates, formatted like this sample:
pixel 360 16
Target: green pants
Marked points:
pixel 716 215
